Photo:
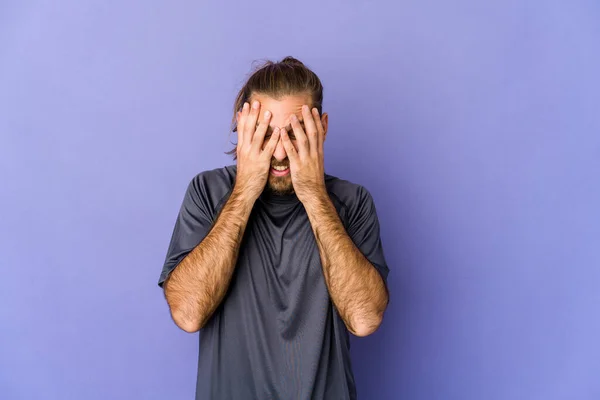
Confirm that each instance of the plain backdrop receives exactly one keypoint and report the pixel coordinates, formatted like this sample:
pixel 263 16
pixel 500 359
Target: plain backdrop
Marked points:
pixel 475 125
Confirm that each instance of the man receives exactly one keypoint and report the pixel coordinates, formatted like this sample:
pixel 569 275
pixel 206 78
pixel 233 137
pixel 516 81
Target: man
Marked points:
pixel 272 259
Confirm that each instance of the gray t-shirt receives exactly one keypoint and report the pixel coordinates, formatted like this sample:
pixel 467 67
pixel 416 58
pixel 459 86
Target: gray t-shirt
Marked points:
pixel 276 334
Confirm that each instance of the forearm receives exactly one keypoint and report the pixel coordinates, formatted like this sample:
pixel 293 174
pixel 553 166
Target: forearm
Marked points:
pixel 197 285
pixel 355 287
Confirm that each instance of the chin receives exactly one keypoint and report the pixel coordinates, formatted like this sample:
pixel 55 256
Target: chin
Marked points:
pixel 281 185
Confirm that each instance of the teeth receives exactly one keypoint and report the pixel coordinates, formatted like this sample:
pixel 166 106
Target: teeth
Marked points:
pixel 280 168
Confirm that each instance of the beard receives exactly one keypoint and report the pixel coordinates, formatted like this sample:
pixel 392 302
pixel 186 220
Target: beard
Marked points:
pixel 280 185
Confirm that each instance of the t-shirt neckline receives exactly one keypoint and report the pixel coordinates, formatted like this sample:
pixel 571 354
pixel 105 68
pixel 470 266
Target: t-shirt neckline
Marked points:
pixel 269 197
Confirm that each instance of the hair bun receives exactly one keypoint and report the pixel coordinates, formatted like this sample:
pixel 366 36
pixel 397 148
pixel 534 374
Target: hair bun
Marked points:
pixel 289 60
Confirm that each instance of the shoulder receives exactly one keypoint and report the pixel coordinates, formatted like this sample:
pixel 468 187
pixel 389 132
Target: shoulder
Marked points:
pixel 208 188
pixel 349 195
pixel 215 179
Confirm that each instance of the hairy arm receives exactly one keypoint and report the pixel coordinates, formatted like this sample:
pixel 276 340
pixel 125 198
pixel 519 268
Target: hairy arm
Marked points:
pixel 355 286
pixel 197 285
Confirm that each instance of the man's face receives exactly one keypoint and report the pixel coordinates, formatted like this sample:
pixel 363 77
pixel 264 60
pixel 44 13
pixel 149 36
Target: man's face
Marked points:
pixel 282 110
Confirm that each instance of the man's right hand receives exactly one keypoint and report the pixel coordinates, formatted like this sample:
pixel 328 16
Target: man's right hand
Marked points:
pixel 253 162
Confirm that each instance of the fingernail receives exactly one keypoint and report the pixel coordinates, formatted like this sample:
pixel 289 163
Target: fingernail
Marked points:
pixel 245 106
pixel 305 108
pixel 267 114
pixel 294 118
pixel 255 104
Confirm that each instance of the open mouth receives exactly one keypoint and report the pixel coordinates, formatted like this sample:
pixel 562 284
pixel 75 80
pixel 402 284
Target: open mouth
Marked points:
pixel 280 170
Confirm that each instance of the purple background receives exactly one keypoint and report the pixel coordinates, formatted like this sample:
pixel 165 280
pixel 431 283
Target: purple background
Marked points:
pixel 475 125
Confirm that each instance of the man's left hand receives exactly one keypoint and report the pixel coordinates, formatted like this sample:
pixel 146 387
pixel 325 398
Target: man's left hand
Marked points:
pixel 306 163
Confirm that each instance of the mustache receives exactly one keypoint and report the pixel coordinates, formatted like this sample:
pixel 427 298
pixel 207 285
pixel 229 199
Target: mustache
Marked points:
pixel 275 163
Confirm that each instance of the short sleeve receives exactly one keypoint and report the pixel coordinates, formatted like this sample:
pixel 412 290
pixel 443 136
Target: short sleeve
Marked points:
pixel 363 229
pixel 191 226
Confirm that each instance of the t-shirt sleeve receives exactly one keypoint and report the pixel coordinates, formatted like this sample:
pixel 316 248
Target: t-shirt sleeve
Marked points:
pixel 191 226
pixel 363 229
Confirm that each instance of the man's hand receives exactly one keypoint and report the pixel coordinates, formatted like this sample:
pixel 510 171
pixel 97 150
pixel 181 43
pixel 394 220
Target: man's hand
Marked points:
pixel 253 163
pixel 306 164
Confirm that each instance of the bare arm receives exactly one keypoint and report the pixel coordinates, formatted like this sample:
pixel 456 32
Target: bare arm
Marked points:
pixel 356 288
pixel 196 287
pixel 198 284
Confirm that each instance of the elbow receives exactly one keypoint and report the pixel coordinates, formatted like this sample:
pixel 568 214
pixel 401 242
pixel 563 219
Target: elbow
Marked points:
pixel 185 324
pixel 179 315
pixel 188 327
pixel 366 328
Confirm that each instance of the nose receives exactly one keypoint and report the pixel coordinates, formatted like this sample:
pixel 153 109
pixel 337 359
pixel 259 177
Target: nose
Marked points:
pixel 279 152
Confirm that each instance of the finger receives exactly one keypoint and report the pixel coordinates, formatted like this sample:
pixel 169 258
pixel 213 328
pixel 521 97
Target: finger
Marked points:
pixel 272 144
pixel 301 138
pixel 320 129
pixel 311 130
pixel 289 146
pixel 261 130
pixel 241 122
pixel 250 125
